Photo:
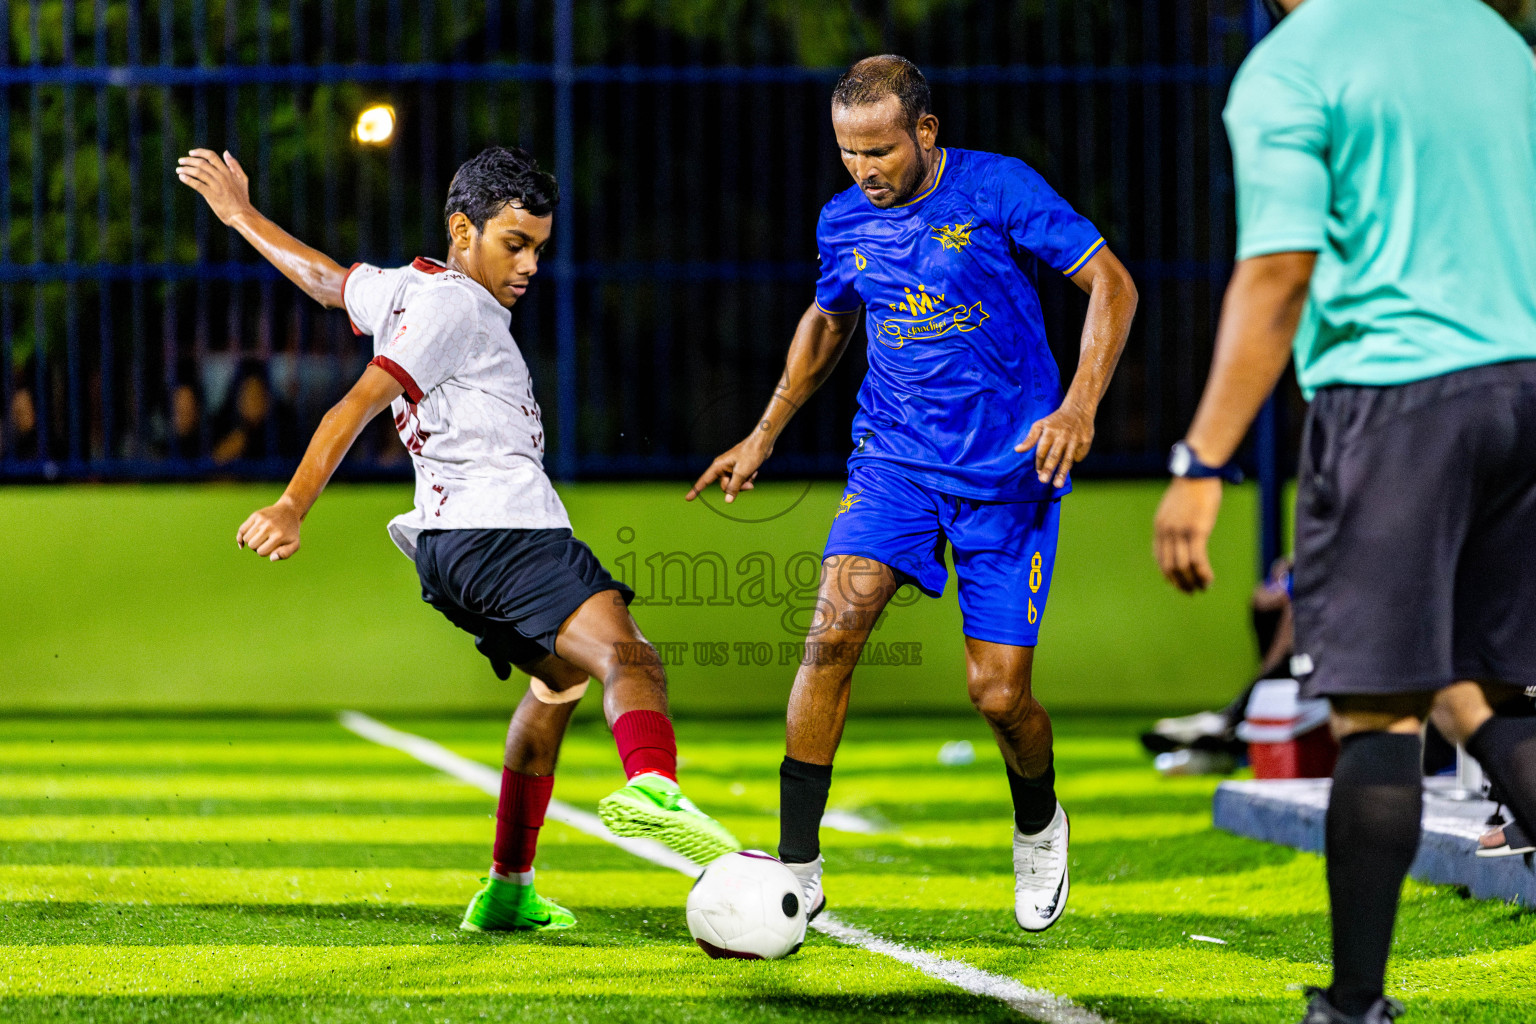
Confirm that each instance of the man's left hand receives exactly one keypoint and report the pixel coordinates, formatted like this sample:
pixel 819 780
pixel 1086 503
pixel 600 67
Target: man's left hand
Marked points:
pixel 1183 525
pixel 1060 440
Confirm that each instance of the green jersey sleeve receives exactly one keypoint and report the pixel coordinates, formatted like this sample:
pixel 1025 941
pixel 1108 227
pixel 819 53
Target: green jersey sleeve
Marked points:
pixel 1277 123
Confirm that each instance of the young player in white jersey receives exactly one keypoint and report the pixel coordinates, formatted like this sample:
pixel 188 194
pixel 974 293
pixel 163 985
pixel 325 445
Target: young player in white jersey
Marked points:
pixel 491 541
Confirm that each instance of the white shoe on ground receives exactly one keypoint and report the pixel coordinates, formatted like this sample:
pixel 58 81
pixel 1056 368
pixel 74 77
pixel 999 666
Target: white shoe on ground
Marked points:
pixel 809 874
pixel 1040 883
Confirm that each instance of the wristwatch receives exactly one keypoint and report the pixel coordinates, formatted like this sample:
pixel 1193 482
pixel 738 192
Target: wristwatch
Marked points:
pixel 1182 461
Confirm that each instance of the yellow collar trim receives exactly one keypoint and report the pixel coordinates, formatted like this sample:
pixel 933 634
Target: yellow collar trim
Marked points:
pixel 943 159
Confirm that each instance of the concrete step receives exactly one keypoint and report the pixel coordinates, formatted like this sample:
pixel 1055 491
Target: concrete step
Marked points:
pixel 1291 812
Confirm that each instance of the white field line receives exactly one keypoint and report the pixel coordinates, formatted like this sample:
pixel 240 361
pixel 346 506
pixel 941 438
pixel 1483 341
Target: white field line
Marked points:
pixel 488 779
pixel 1032 1002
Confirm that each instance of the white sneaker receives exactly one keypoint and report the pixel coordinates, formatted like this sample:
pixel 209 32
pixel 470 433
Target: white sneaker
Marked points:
pixel 1189 728
pixel 1040 874
pixel 809 874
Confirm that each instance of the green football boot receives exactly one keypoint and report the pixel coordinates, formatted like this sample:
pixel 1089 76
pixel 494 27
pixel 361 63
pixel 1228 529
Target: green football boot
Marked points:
pixel 509 907
pixel 652 807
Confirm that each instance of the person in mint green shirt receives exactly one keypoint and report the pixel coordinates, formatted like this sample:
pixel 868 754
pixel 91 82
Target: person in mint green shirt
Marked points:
pixel 1385 155
pixel 1350 144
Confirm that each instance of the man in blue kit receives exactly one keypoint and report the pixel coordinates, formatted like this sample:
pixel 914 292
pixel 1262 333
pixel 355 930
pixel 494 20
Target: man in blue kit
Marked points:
pixel 940 247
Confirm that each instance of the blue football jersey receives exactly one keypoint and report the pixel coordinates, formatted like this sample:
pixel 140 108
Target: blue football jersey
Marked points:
pixel 959 368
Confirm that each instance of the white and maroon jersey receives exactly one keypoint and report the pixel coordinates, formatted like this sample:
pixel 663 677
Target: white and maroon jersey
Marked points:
pixel 468 415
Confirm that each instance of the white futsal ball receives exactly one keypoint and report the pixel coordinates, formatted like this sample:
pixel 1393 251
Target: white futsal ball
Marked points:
pixel 747 906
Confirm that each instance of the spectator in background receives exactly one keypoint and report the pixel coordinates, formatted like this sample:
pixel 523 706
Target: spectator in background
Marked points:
pixel 186 411
pixel 20 427
pixel 175 424
pixel 253 424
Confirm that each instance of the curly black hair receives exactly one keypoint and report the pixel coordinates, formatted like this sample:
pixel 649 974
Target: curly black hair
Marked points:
pixel 496 178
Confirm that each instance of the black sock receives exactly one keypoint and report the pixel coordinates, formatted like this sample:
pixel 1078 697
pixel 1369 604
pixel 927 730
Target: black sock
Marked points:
pixel 802 801
pixel 1372 836
pixel 1034 800
pixel 1506 748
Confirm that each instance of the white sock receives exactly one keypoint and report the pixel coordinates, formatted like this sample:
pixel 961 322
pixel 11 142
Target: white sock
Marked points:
pixel 516 877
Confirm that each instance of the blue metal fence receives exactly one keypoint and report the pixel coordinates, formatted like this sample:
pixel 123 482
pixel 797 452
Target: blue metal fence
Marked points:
pixel 139 338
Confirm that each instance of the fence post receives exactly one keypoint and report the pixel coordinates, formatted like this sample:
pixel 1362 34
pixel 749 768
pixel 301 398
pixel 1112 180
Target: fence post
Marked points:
pixel 565 242
pixel 1268 445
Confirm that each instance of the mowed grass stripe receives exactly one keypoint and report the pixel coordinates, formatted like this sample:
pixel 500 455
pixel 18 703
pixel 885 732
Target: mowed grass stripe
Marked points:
pixel 639 887
pixel 1194 972
pixel 996 833
pixel 413 786
pixel 469 807
pixel 338 753
pixel 120 728
pixel 587 750
pixel 470 857
pixel 447 969
pixel 317 827
pixel 450 968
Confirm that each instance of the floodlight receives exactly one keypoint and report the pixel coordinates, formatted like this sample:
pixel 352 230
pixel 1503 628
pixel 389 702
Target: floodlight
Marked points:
pixel 376 125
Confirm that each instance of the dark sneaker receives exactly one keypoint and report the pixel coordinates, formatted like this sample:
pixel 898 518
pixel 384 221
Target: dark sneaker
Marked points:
pixel 1321 1011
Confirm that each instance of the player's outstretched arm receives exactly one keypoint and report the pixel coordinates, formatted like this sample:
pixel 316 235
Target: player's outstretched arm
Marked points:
pixel 273 532
pixel 1063 439
pixel 222 181
pixel 819 343
pixel 1259 316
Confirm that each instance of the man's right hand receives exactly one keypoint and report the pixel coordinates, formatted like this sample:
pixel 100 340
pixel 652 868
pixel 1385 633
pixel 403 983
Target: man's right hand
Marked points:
pixel 736 470
pixel 272 532
pixel 221 181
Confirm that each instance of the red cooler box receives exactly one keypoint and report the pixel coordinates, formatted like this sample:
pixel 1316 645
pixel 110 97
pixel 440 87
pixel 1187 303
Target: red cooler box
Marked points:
pixel 1287 737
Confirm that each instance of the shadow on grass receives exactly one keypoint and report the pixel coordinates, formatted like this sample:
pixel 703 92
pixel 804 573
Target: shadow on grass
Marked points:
pixel 1435 926
pixel 660 1008
pixel 1203 854
pixel 472 806
pixel 470 858
pixel 353 924
pixel 961 809
pixel 1496 1008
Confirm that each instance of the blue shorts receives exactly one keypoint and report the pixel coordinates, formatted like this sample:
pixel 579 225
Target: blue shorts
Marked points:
pixel 1004 551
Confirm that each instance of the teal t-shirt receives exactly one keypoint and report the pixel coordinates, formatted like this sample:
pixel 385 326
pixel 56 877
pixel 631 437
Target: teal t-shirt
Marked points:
pixel 1397 140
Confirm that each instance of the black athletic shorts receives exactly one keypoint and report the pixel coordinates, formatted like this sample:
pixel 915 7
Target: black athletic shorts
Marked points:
pixel 1416 534
pixel 510 589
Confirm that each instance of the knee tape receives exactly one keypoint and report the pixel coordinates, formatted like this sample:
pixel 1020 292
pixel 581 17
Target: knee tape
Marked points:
pixel 545 695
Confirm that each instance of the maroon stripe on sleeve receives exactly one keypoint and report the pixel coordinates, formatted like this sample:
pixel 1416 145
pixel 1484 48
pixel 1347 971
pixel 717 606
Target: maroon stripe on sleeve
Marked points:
pixel 398 372
pixel 355 329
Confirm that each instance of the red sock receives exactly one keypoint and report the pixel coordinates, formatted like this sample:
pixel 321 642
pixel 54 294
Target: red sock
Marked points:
pixel 646 744
pixel 519 816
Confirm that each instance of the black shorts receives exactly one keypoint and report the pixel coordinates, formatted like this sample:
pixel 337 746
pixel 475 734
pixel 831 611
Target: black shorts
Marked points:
pixel 1416 534
pixel 510 589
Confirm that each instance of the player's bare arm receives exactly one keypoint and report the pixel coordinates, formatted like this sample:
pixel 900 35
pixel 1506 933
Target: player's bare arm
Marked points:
pixel 1064 438
pixel 273 532
pixel 223 183
pixel 818 344
pixel 1259 316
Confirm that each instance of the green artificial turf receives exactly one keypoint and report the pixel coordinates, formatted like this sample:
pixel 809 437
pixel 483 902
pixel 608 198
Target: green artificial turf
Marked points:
pixel 280 870
pixel 136 598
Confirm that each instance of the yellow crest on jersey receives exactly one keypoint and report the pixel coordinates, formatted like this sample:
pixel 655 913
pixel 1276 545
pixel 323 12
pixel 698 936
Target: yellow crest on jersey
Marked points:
pixel 953 236
pixel 847 502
